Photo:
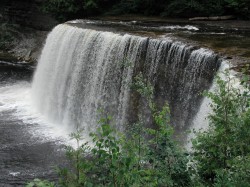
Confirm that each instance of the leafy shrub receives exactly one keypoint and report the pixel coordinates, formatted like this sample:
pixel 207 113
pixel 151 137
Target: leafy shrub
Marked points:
pixel 219 153
pixel 140 157
pixel 40 183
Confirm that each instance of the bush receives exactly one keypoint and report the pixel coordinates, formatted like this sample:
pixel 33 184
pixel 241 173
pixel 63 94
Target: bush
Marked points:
pixel 140 157
pixel 40 183
pixel 219 153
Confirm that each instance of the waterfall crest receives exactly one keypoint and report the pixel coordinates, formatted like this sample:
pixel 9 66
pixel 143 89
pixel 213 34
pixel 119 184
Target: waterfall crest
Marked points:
pixel 83 70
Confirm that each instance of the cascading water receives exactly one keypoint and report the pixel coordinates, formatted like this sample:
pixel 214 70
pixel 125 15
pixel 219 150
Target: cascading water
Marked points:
pixel 83 70
pixel 200 122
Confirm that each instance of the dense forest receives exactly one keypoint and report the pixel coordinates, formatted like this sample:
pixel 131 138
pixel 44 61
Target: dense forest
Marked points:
pixel 68 9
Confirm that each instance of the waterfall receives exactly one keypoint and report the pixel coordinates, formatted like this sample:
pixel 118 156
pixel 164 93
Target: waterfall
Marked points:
pixel 81 71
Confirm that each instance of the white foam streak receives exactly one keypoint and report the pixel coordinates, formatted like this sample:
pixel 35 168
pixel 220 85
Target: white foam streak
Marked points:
pixel 178 27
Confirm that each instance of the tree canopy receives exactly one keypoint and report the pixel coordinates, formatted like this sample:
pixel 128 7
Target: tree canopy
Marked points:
pixel 68 9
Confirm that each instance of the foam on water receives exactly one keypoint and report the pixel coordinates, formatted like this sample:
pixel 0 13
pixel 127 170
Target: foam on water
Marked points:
pixel 178 27
pixel 15 99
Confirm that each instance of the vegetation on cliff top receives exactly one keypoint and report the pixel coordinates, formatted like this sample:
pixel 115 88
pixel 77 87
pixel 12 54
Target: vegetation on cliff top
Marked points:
pixel 70 9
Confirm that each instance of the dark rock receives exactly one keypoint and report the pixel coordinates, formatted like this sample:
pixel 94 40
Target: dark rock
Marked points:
pixel 212 18
pixel 228 57
pixel 4 56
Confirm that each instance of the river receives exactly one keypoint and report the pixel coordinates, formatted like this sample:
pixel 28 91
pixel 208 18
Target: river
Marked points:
pixel 29 147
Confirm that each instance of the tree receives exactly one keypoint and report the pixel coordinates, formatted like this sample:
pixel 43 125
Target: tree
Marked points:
pixel 139 157
pixel 221 154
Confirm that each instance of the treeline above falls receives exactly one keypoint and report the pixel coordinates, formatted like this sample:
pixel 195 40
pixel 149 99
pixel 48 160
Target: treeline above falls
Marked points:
pixel 81 71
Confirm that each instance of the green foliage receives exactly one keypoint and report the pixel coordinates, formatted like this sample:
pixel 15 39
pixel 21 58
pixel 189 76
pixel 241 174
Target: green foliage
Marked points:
pixel 166 160
pixel 7 36
pixel 63 10
pixel 146 7
pixel 76 174
pixel 150 156
pixel 139 157
pixel 239 7
pixel 70 9
pixel 40 183
pixel 189 8
pixel 109 167
pixel 144 156
pixel 237 175
pixel 143 87
pixel 221 154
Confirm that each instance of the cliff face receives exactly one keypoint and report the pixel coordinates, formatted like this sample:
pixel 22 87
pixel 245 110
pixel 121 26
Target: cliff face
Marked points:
pixel 23 29
pixel 26 13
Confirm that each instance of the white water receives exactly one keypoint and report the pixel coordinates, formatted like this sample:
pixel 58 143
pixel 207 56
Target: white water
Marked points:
pixel 15 99
pixel 77 75
pixel 132 23
pixel 178 27
pixel 201 122
pixel 81 71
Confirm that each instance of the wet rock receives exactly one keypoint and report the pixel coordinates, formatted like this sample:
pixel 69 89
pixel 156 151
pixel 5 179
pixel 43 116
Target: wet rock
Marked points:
pixel 27 57
pixel 29 46
pixel 212 18
pixel 5 56
pixel 228 57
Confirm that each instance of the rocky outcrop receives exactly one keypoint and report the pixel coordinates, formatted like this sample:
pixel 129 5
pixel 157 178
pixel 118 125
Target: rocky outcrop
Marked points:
pixel 212 18
pixel 26 48
pixel 25 26
pixel 29 47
